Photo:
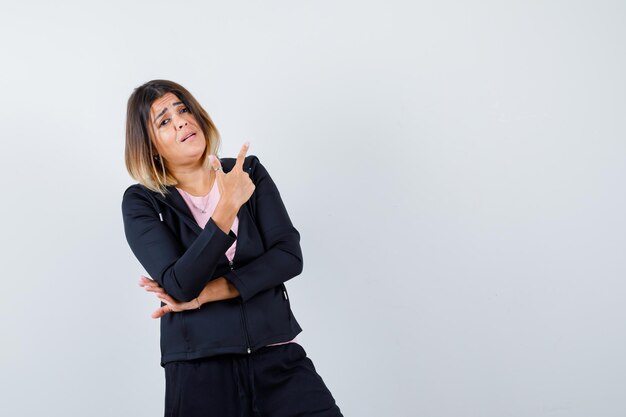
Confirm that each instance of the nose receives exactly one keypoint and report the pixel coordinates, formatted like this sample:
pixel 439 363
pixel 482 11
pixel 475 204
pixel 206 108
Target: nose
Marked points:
pixel 179 121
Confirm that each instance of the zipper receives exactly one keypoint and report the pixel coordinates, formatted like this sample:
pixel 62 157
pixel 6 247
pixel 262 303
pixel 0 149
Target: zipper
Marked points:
pixel 245 326
pixel 243 316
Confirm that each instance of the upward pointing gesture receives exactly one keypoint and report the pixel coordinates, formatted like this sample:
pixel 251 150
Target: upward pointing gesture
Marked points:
pixel 235 187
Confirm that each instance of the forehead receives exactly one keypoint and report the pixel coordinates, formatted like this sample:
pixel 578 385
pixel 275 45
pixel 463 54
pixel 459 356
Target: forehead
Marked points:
pixel 160 103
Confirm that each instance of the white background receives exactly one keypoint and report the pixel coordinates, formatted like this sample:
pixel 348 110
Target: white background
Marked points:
pixel 456 171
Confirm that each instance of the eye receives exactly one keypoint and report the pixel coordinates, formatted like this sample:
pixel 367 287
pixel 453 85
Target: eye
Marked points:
pixel 183 110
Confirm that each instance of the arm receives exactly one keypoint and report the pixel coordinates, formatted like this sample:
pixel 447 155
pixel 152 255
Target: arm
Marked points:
pixel 283 258
pixel 215 290
pixel 182 273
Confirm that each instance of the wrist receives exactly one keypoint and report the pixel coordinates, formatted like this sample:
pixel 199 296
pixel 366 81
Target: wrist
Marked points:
pixel 216 290
pixel 231 289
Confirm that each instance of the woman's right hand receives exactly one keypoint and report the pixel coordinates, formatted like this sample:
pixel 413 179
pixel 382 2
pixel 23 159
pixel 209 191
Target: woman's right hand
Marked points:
pixel 235 187
pixel 171 305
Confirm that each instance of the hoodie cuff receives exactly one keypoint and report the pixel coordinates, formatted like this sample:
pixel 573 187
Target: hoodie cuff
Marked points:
pixel 232 277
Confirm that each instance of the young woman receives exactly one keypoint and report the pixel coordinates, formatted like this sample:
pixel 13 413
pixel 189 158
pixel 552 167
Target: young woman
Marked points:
pixel 216 237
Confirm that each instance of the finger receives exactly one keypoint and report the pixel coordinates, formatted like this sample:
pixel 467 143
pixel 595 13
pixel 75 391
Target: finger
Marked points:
pixel 152 284
pixel 216 165
pixel 166 298
pixel 143 280
pixel 160 312
pixel 219 173
pixel 154 289
pixel 242 156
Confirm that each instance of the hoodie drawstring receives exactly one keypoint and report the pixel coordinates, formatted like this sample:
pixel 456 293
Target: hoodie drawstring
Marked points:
pixel 153 201
pixel 240 389
pixel 252 387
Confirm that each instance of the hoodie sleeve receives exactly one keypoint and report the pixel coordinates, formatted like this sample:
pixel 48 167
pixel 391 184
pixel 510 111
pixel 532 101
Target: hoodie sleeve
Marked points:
pixel 182 273
pixel 282 259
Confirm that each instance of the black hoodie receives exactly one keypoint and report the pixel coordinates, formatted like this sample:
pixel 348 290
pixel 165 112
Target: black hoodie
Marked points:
pixel 182 257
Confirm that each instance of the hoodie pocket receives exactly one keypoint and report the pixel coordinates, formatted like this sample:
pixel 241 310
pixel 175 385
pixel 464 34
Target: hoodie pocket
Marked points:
pixel 269 315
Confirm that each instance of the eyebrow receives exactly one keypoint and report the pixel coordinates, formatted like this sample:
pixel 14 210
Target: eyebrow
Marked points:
pixel 178 103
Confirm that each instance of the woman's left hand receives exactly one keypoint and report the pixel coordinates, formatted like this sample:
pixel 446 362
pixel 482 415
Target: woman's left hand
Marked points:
pixel 171 305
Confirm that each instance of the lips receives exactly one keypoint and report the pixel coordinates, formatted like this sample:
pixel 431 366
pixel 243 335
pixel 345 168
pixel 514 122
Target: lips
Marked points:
pixel 187 136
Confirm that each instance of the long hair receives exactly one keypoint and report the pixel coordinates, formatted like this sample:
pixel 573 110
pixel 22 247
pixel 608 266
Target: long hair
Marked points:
pixel 142 162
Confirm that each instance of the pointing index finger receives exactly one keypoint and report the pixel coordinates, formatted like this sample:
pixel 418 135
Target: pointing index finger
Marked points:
pixel 242 155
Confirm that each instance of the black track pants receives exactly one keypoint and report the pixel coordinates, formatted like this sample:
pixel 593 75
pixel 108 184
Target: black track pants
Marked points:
pixel 275 381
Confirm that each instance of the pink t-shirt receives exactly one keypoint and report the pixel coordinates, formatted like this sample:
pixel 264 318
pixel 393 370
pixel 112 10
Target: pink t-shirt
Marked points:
pixel 202 208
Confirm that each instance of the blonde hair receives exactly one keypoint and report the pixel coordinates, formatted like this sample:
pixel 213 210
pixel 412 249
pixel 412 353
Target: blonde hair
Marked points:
pixel 142 161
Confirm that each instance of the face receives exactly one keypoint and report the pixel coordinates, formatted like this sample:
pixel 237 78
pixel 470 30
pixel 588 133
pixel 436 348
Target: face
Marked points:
pixel 172 125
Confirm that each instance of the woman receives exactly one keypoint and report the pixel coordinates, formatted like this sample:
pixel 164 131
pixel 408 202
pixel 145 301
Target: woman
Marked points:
pixel 216 237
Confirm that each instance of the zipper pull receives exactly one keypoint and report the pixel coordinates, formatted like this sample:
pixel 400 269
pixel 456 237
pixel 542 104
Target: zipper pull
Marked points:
pixel 160 216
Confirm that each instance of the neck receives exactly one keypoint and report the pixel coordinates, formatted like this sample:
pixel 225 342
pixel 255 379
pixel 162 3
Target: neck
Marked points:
pixel 197 180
